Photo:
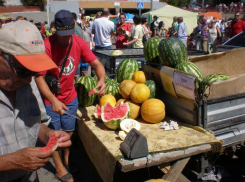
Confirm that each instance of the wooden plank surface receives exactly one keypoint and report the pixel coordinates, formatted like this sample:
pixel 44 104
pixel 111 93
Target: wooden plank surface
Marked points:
pixel 127 165
pixel 176 170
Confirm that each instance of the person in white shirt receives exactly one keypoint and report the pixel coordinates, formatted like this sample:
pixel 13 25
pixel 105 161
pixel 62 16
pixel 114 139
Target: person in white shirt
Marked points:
pixel 103 29
pixel 137 41
pixel 182 31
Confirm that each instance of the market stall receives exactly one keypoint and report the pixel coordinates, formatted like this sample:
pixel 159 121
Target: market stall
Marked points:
pixel 203 94
pixel 103 144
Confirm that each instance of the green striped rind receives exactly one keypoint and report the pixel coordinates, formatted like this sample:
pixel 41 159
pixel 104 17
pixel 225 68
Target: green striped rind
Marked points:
pixel 151 51
pixel 190 68
pixel 84 85
pixel 126 69
pixel 152 86
pixel 112 87
pixel 114 124
pixel 211 79
pixel 172 52
pixel 96 79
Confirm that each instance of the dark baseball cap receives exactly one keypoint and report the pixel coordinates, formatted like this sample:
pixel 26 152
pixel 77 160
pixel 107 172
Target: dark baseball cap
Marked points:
pixel 155 16
pixel 64 23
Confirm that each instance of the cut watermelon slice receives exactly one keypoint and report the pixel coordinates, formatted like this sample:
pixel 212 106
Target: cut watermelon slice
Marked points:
pixel 51 145
pixel 112 116
pixel 97 114
pixel 93 91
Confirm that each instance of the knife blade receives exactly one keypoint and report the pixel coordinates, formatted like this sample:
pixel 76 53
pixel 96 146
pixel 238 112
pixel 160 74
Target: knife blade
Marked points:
pixel 72 115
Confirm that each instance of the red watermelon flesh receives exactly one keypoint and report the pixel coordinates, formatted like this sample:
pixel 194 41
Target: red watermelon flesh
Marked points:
pixel 51 145
pixel 112 116
pixel 93 91
pixel 97 114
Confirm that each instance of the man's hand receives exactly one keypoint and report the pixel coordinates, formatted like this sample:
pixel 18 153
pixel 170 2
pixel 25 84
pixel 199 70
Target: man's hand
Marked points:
pixel 58 106
pixel 102 86
pixel 63 138
pixel 30 159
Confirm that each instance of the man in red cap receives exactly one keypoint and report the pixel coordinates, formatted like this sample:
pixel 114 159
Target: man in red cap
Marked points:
pixel 65 98
pixel 23 118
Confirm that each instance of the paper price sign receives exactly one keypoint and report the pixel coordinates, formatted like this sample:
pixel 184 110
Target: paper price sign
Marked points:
pixel 184 85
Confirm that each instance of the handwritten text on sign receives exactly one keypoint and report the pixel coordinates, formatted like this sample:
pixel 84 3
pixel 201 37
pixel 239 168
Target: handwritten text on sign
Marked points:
pixel 184 85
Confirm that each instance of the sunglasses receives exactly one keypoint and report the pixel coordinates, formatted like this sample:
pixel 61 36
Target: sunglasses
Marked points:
pixel 65 27
pixel 237 15
pixel 22 73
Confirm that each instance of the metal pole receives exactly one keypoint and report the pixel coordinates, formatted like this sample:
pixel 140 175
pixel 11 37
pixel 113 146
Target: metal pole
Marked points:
pixel 48 11
pixel 151 5
pixel 140 12
pixel 202 4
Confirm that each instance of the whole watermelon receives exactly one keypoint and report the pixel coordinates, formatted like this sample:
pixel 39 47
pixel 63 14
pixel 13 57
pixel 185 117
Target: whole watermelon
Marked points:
pixel 190 68
pixel 172 52
pixel 151 51
pixel 112 87
pixel 152 86
pixel 126 69
pixel 211 79
pixel 96 79
pixel 84 85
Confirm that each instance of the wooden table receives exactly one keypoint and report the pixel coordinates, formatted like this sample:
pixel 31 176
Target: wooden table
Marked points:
pixel 99 151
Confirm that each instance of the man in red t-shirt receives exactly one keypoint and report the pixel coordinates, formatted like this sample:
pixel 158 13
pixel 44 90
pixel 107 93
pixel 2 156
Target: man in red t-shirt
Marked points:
pixel 56 47
pixel 237 25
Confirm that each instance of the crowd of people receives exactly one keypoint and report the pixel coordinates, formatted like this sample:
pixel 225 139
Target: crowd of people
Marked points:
pixel 209 33
pixel 232 7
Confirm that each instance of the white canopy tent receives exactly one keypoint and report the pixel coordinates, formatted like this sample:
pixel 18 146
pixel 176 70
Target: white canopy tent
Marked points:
pixel 167 12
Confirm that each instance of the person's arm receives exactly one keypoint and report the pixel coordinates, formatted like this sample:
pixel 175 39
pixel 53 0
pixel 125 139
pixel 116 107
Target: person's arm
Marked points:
pixel 100 73
pixel 26 159
pixel 57 106
pixel 130 42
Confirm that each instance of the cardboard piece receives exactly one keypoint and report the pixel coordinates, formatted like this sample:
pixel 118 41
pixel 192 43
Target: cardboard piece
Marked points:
pixel 166 74
pixel 231 63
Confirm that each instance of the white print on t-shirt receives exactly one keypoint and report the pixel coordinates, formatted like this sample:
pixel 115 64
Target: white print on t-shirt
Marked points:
pixel 70 67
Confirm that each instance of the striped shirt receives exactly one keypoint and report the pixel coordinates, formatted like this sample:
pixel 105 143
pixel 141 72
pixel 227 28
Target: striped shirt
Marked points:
pixel 19 126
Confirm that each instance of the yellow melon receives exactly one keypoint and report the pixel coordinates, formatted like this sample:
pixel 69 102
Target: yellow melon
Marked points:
pixel 153 111
pixel 134 109
pixel 139 77
pixel 140 93
pixel 125 88
pixel 108 98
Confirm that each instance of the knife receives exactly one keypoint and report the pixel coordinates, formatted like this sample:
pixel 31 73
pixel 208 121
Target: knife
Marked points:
pixel 72 115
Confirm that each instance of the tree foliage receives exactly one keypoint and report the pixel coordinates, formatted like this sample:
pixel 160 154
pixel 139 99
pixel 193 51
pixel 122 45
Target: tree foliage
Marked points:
pixel 33 3
pixel 1 3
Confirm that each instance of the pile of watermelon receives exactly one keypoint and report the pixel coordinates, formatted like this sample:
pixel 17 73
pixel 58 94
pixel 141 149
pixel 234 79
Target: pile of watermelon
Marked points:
pixel 171 52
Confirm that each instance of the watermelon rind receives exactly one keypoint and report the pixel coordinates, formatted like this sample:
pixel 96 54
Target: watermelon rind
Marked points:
pixel 114 123
pixel 112 87
pixel 208 80
pixel 126 69
pixel 96 79
pixel 190 68
pixel 152 86
pixel 172 52
pixel 84 85
pixel 151 51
